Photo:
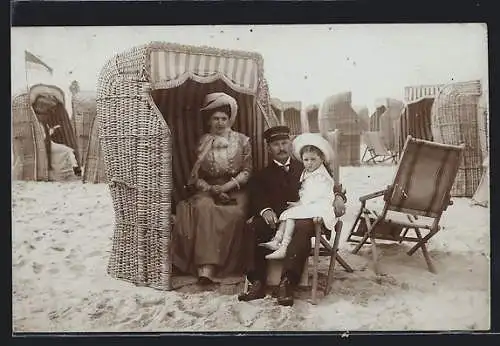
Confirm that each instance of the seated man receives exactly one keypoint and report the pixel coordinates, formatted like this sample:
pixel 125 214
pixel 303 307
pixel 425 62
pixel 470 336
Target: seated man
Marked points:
pixel 271 189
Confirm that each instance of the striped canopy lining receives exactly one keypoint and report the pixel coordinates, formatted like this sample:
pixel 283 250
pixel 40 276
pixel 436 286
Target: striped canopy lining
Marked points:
pixel 170 69
pixel 414 93
pixel 65 134
pixel 415 120
pixel 180 108
pixel 414 191
pixel 291 118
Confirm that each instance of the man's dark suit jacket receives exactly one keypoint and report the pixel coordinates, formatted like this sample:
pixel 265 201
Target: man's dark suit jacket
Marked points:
pixel 273 187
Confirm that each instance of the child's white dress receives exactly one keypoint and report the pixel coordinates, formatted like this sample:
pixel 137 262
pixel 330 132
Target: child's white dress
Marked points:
pixel 316 198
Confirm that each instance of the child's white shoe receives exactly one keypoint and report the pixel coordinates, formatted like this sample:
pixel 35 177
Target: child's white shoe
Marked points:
pixel 271 245
pixel 278 254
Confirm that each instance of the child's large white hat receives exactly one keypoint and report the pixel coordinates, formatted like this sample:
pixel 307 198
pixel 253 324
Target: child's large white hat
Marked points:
pixel 313 139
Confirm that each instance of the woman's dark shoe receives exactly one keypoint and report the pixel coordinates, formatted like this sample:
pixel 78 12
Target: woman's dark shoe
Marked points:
pixel 257 290
pixel 285 292
pixel 204 281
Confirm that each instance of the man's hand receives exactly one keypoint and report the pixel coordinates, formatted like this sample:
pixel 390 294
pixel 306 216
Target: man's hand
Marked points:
pixel 270 218
pixel 338 206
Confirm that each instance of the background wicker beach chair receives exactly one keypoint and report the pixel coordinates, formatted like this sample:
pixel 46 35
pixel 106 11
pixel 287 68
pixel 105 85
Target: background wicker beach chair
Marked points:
pixel 292 116
pixel 95 170
pixel 272 118
pixel 48 103
pixel 337 113
pixel 417 92
pixel 375 118
pixel 28 145
pixel 277 107
pixel 388 123
pixel 364 117
pixel 149 125
pixel 455 119
pixel 416 199
pixel 415 121
pixel 84 110
pixel 482 195
pixel 312 117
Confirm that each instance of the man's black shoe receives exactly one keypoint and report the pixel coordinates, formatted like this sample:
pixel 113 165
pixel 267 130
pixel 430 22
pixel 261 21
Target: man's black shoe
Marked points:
pixel 285 292
pixel 257 290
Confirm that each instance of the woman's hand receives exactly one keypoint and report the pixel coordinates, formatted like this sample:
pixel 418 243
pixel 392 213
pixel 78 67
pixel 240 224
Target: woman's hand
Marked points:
pixel 216 189
pixel 338 206
pixel 292 204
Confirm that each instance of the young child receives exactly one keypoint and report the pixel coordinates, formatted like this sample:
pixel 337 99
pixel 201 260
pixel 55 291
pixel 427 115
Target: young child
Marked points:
pixel 316 194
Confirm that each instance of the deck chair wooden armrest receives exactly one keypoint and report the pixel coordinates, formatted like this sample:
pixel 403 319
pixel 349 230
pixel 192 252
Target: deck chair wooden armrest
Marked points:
pixel 373 195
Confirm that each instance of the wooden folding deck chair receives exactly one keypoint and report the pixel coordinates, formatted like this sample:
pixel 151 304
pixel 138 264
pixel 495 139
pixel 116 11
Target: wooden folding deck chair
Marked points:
pixel 376 149
pixel 418 196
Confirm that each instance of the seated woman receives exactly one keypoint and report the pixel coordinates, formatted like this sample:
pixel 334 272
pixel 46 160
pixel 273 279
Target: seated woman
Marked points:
pixel 208 232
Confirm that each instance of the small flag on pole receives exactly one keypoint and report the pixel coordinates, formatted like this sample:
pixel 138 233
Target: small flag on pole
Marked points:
pixel 32 61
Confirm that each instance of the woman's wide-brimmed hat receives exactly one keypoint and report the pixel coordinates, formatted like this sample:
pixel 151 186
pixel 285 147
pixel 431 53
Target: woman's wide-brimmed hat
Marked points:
pixel 216 100
pixel 313 139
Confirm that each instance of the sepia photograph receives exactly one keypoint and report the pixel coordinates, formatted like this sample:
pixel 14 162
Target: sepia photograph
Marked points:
pixel 266 178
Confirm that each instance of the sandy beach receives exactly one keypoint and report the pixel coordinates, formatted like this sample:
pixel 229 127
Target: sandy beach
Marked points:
pixel 62 238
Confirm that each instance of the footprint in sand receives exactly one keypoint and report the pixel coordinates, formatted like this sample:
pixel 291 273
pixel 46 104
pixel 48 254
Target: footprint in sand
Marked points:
pixel 20 264
pixel 95 253
pixel 78 268
pixel 37 267
pixel 53 271
pixel 58 248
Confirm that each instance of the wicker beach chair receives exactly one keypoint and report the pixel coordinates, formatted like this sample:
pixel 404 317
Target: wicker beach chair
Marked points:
pixel 416 199
pixel 292 116
pixel 364 117
pixel 28 145
pixel 87 132
pixel 84 109
pixel 31 142
pixel 389 127
pixel 336 113
pixel 375 118
pixel 458 116
pixel 277 108
pixel 149 124
pixel 312 117
pixel 376 149
pixel 415 121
